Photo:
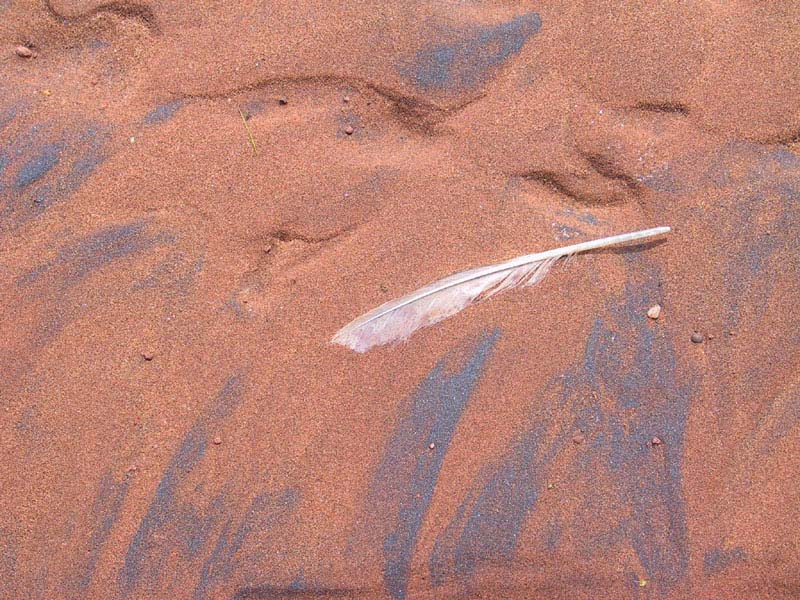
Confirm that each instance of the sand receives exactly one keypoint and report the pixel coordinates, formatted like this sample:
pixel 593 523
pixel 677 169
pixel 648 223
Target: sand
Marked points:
pixel 175 422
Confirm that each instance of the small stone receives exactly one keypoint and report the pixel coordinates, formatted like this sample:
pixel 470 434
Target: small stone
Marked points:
pixel 217 440
pixel 431 445
pixel 47 93
pixel 549 486
pixel 346 99
pixel 148 356
pixel 384 288
pixel 578 438
pixel 642 582
pixel 349 130
pixel 710 336
pixel 133 469
pixel 654 311
pixel 23 52
pixel 698 338
pixel 656 441
pixel 283 101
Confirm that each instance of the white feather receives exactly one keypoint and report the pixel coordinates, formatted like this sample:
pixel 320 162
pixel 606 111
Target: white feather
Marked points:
pixel 397 319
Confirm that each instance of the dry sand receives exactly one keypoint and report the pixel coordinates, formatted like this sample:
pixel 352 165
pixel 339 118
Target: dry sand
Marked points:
pixel 175 423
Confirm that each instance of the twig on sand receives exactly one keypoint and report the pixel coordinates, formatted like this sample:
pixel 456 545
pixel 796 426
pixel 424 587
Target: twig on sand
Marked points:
pixel 249 133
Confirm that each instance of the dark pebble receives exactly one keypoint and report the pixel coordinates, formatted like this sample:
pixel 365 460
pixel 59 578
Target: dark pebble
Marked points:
pixel 349 130
pixel 698 338
pixel 283 101
pixel 578 438
pixel 656 441
pixel 148 356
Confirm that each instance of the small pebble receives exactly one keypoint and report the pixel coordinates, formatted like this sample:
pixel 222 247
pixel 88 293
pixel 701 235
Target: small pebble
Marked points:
pixel 654 311
pixel 283 101
pixel 148 356
pixel 217 441
pixel 346 99
pixel 349 130
pixel 23 51
pixel 133 469
pixel 711 336
pixel 698 338
pixel 656 441
pixel 431 445
pixel 578 438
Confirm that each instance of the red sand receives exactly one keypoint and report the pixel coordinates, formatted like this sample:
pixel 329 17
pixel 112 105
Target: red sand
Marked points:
pixel 175 423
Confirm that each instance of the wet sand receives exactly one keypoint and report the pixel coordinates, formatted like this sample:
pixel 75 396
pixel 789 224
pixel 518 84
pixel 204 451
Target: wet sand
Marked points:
pixel 175 422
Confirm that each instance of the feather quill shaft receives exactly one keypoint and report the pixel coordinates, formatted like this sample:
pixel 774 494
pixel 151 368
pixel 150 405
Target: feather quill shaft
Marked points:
pixel 397 319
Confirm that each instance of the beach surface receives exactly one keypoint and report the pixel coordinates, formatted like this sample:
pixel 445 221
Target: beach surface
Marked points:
pixel 196 196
